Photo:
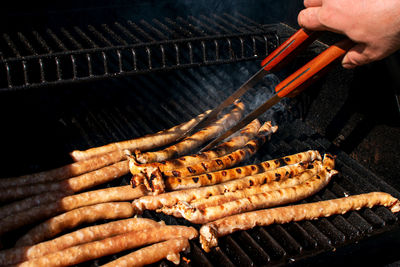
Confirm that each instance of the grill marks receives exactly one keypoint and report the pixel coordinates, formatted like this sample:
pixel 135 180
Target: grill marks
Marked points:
pixel 225 148
pixel 172 183
pixel 204 166
pixel 255 184
pixel 191 170
pixel 194 141
pixel 224 161
pixel 181 178
pixel 258 197
pixel 187 195
pixel 199 163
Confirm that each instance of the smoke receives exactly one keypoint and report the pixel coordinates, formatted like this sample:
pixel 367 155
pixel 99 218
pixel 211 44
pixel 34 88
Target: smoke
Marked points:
pixel 216 83
pixel 261 93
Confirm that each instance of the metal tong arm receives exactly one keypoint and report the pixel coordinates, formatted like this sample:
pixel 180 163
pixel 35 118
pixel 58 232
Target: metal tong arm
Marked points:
pixel 293 84
pixel 274 61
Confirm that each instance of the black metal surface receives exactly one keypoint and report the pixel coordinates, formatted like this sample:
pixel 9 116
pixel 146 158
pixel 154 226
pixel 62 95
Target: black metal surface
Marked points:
pixel 59 56
pixel 41 126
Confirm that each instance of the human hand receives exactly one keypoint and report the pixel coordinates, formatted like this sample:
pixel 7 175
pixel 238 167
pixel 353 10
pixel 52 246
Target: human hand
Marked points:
pixel 373 25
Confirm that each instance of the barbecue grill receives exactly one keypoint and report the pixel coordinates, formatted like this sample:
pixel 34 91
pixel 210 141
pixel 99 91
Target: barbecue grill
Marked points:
pixel 111 76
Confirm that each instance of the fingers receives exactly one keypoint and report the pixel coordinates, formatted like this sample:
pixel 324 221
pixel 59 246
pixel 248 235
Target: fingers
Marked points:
pixel 356 57
pixel 312 3
pixel 309 19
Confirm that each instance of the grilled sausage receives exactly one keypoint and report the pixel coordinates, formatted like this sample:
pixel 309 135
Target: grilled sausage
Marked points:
pixel 229 160
pixel 210 232
pixel 73 218
pixel 150 174
pixel 112 245
pixel 81 236
pixel 187 195
pixel 278 183
pixel 46 210
pixel 168 249
pixel 258 201
pixel 194 141
pixel 74 184
pixel 64 172
pixel 154 181
pixel 30 202
pixel 146 142
pixel 176 183
pixel 227 147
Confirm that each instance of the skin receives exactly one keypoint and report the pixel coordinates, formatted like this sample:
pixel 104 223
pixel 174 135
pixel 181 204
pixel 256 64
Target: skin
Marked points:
pixel 373 25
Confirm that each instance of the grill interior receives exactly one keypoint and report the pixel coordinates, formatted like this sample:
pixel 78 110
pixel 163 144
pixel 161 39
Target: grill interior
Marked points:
pixel 84 115
pixel 67 55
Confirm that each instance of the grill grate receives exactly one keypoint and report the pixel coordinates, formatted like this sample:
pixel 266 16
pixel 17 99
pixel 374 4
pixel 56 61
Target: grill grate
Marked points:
pixel 51 57
pixel 100 116
pixel 91 114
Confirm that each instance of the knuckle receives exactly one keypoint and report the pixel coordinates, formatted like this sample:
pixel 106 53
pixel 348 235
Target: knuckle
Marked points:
pixel 325 17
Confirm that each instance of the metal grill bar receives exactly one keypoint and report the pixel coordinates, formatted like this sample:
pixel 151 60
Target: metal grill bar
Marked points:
pixel 80 64
pixel 114 35
pixel 71 39
pixel 11 45
pixel 26 43
pixel 191 26
pixel 127 32
pixel 99 36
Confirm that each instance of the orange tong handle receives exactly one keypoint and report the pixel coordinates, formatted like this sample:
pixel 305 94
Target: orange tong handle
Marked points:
pixel 310 72
pixel 289 49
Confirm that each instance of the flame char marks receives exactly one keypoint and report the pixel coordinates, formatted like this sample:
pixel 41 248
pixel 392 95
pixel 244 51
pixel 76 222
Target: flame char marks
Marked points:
pixel 229 174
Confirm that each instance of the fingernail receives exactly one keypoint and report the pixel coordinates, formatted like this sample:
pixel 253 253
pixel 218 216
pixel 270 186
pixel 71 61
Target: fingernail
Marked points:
pixel 348 66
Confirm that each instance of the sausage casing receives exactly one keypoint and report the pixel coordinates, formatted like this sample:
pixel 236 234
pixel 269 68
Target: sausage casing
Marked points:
pixel 210 232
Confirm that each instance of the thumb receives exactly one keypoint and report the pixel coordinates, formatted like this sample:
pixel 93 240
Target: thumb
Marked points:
pixel 356 56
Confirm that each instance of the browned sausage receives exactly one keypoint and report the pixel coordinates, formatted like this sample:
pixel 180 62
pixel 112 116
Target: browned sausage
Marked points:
pixel 176 183
pixel 46 210
pixel 73 218
pixel 30 202
pixel 279 183
pixel 151 176
pixel 81 236
pixel 64 172
pixel 210 232
pixel 187 195
pixel 75 184
pixel 146 142
pixel 168 249
pixel 229 160
pixel 190 143
pixel 112 245
pixel 259 201
pixel 227 147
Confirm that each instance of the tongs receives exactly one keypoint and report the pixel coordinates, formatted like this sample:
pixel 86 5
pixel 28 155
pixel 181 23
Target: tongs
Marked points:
pixel 289 87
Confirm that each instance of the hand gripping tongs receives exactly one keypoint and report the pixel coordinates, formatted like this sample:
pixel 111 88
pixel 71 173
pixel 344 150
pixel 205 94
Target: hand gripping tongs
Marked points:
pixel 289 87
